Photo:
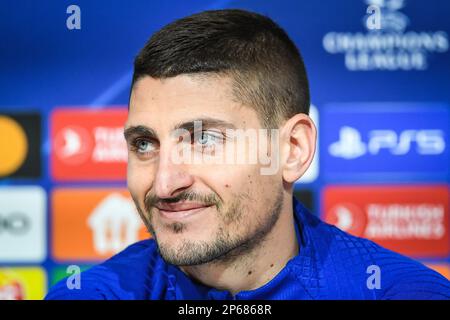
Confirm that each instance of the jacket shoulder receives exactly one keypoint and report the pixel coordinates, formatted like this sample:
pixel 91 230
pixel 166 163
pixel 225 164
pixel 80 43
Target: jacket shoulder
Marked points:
pixel 363 269
pixel 126 275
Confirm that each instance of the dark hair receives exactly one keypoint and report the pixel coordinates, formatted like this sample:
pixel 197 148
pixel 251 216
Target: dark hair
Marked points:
pixel 266 67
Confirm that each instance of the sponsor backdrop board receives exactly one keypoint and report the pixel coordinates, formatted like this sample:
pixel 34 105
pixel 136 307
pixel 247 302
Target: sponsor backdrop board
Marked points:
pixel 380 101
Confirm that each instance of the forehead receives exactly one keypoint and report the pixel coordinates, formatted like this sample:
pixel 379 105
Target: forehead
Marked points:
pixel 160 103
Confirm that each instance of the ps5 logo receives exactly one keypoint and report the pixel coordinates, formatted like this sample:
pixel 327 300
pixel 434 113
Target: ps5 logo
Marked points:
pixel 351 146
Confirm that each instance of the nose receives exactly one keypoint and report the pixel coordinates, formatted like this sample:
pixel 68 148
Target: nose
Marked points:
pixel 171 178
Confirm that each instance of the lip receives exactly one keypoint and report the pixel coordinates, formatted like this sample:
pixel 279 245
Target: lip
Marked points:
pixel 180 211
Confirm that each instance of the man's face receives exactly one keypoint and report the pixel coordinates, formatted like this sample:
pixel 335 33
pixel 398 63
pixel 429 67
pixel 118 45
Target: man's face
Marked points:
pixel 197 212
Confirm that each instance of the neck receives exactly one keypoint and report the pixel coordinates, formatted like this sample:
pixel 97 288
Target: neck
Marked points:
pixel 257 267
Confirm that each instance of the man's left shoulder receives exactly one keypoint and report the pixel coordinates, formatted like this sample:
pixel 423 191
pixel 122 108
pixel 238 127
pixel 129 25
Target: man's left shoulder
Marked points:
pixel 400 277
pixel 379 272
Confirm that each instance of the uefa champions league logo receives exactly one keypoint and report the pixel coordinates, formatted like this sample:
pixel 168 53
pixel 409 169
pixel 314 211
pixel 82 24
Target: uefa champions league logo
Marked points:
pixel 385 15
pixel 388 44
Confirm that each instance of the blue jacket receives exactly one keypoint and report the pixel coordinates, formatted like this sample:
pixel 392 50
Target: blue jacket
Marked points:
pixel 331 264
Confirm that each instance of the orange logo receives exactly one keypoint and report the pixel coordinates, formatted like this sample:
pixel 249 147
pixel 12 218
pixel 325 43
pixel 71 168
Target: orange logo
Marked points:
pixel 93 224
pixel 13 146
pixel 442 268
pixel 88 145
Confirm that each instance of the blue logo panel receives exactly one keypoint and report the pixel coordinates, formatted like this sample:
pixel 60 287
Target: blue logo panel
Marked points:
pixel 385 141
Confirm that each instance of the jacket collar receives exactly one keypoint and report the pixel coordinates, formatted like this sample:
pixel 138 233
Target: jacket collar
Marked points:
pixel 294 281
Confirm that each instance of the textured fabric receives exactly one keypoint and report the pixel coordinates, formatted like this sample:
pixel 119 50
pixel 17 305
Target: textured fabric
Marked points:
pixel 331 264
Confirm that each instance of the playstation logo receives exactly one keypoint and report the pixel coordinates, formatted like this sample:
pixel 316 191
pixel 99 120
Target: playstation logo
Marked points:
pixel 349 145
pixel 423 142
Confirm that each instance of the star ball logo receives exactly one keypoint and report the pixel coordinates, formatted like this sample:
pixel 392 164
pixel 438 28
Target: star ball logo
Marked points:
pixel 387 44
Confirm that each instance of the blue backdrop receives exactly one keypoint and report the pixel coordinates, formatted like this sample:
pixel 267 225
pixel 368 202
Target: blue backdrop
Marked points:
pixel 395 78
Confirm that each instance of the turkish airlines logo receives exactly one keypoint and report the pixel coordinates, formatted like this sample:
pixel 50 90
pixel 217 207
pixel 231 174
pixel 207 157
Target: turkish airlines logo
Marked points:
pixel 73 145
pixel 409 220
pixel 349 218
pixel 351 146
pixel 405 221
pixel 89 145
pixel 393 221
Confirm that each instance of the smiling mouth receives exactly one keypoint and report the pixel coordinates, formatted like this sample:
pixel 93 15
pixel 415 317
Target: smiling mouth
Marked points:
pixel 179 211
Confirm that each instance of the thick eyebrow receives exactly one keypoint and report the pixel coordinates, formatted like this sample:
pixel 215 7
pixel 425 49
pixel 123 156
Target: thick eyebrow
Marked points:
pixel 140 130
pixel 206 123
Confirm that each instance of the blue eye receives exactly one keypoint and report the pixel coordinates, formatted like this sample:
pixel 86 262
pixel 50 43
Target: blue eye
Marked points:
pixel 207 139
pixel 144 146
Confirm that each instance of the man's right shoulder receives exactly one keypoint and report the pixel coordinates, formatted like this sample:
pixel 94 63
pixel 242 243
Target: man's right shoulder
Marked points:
pixel 127 275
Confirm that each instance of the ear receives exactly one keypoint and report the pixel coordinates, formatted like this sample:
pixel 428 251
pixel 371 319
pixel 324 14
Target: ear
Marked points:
pixel 298 140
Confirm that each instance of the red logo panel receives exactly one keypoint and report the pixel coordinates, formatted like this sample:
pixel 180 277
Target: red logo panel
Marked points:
pixel 88 145
pixel 412 220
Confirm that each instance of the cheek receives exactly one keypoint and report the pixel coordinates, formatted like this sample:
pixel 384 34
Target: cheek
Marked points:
pixel 225 180
pixel 238 182
pixel 255 191
pixel 139 182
